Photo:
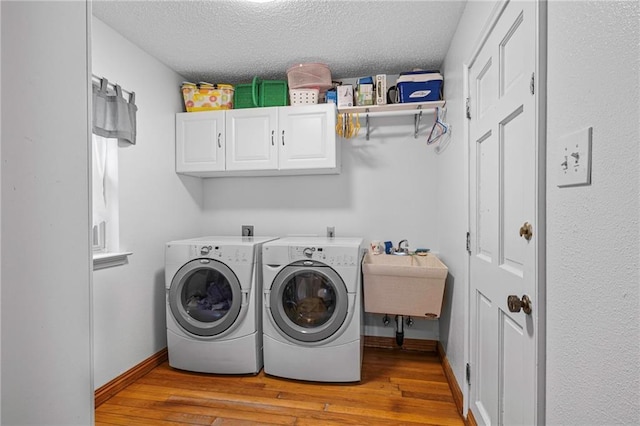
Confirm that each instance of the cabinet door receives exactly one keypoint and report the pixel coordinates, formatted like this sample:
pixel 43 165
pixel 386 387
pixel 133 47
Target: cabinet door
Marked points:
pixel 200 141
pixel 251 139
pixel 307 137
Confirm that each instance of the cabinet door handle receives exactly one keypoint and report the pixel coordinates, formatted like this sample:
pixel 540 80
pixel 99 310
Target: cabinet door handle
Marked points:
pixel 219 143
pixel 273 137
pixel 283 138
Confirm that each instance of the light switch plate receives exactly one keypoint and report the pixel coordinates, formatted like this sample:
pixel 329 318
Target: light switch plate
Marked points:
pixel 574 159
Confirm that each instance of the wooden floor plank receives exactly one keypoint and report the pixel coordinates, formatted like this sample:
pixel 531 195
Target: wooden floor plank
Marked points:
pixel 154 414
pixel 398 387
pixel 205 408
pixel 235 422
pixel 116 419
pixel 209 386
pixel 372 389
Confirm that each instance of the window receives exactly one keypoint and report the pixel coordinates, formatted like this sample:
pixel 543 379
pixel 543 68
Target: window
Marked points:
pixel 113 121
pixel 105 232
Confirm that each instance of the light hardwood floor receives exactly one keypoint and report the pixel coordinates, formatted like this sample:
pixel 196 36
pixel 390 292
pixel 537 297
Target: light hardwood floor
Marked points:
pixel 398 387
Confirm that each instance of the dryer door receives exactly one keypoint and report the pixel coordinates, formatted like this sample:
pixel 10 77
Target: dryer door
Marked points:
pixel 308 301
pixel 205 297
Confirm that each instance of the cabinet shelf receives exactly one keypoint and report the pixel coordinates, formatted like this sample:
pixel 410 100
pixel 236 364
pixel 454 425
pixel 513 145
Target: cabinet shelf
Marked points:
pixel 412 108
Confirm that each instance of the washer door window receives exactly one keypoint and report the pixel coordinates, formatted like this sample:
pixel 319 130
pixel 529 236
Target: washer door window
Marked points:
pixel 308 301
pixel 205 297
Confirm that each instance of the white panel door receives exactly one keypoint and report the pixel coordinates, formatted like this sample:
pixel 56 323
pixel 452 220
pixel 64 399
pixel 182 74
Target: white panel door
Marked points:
pixel 251 139
pixel 307 137
pixel 503 197
pixel 200 141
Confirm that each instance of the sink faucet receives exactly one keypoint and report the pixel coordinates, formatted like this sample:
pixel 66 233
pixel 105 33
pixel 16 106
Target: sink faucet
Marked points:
pixel 404 249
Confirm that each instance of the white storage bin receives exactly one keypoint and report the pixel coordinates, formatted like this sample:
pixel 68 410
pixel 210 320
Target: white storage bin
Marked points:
pixel 303 96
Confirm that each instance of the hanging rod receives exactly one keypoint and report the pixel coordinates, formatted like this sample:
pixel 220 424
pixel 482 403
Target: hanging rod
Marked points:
pixel 392 110
pixel 417 115
pixel 393 113
pixel 413 108
pixel 98 79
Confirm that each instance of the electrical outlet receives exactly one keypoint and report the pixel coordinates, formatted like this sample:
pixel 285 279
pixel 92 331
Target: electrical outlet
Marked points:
pixel 247 230
pixel 331 231
pixel 574 159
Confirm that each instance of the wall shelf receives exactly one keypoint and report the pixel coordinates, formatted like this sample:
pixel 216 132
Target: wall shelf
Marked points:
pixel 413 108
pixel 401 109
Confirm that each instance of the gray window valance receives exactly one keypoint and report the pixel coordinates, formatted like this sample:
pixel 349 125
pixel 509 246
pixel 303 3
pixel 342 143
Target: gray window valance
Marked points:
pixel 113 115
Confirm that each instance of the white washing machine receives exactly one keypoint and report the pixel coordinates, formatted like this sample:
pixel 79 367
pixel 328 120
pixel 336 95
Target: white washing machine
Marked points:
pixel 312 316
pixel 213 289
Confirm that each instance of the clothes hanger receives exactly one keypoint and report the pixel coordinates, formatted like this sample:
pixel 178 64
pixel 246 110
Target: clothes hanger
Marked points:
pixel 439 129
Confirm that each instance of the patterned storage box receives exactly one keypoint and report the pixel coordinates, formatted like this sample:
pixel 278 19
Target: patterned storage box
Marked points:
pixel 207 97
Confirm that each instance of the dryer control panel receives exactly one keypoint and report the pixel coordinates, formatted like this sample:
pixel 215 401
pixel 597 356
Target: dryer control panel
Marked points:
pixel 333 256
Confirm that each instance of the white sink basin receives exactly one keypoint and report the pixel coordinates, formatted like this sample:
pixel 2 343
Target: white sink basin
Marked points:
pixel 404 285
pixel 405 266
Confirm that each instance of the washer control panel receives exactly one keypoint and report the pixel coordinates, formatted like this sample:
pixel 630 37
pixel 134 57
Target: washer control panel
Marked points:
pixel 333 256
pixel 226 254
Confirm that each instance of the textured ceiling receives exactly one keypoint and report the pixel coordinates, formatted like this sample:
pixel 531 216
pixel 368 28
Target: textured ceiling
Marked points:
pixel 230 41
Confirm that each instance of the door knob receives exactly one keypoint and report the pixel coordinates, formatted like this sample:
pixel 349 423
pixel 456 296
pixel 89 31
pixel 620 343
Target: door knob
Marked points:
pixel 526 231
pixel 516 304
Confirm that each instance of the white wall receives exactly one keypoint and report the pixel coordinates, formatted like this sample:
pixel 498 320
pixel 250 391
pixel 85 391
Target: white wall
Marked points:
pixel 452 193
pixel 46 279
pixel 593 278
pixel 0 214
pixel 385 192
pixel 156 206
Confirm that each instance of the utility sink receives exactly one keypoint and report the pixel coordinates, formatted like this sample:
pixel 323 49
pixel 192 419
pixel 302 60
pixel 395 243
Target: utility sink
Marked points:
pixel 404 285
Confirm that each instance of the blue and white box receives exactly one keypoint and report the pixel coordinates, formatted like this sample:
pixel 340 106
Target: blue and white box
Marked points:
pixel 419 86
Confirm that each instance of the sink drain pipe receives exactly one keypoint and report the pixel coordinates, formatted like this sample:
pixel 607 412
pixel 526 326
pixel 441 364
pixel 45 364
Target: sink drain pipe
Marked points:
pixel 399 330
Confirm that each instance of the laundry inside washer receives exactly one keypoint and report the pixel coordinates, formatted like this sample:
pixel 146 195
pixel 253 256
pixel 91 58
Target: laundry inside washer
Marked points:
pixel 207 295
pixel 308 300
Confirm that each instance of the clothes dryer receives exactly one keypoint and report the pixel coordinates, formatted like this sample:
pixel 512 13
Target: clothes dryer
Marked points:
pixel 312 315
pixel 213 287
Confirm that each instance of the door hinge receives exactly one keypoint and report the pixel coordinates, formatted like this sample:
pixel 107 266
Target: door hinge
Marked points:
pixel 468 374
pixel 468 108
pixel 469 242
pixel 532 85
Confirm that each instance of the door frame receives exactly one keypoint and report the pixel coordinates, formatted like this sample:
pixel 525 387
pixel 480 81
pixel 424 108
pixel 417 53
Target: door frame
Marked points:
pixel 540 209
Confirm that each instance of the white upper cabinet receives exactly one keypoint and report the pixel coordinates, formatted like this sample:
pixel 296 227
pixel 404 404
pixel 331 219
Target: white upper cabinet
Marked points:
pixel 251 139
pixel 258 141
pixel 200 142
pixel 307 137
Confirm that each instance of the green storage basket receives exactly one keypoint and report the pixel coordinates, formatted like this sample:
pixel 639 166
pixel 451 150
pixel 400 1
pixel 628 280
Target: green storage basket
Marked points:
pixel 246 95
pixel 265 93
pixel 273 93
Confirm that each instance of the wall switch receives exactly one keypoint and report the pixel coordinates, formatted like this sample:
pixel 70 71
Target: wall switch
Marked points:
pixel 331 231
pixel 574 160
pixel 247 230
